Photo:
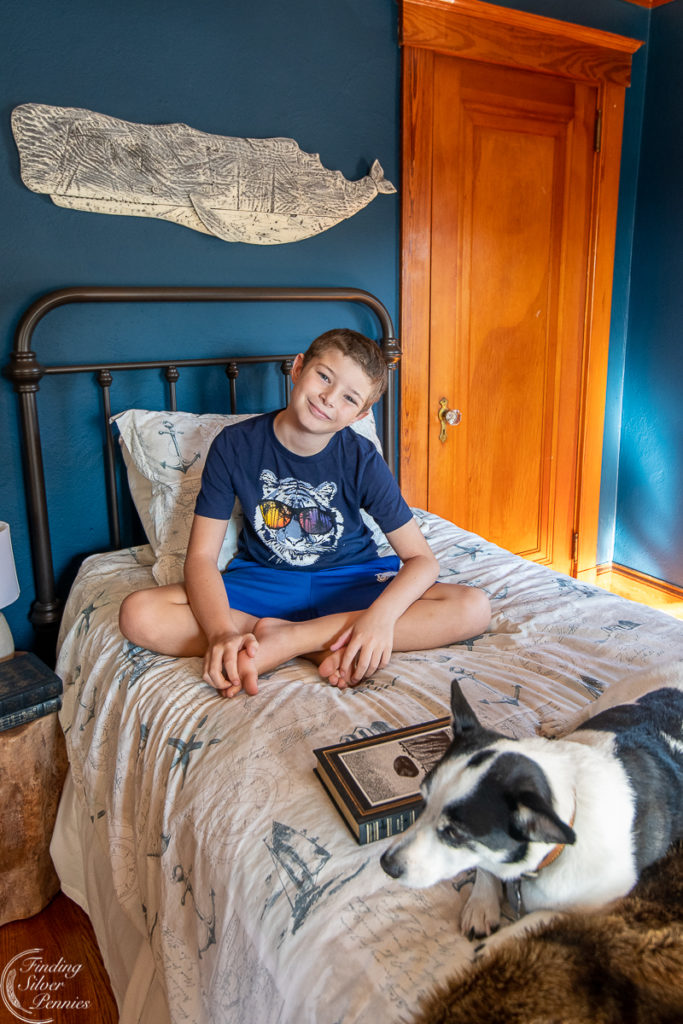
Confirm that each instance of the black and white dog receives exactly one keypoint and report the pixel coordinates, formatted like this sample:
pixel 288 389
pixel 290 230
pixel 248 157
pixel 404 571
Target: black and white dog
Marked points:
pixel 569 823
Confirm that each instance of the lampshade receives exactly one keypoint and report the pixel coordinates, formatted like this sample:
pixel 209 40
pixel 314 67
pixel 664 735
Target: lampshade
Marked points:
pixel 9 584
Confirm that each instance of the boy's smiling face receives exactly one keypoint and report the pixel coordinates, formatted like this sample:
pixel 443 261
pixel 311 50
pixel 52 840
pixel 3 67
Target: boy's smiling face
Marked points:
pixel 330 392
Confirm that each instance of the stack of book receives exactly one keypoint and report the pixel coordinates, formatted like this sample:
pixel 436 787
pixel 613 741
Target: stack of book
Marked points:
pixel 375 781
pixel 28 690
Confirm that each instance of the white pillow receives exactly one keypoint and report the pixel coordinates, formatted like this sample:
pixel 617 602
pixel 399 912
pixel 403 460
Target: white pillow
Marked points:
pixel 164 454
pixel 368 428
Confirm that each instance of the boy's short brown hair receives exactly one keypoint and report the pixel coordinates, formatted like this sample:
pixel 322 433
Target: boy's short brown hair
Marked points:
pixel 366 353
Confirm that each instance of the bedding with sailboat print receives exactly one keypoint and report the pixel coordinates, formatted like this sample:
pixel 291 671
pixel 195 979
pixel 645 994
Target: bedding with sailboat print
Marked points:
pixel 222 883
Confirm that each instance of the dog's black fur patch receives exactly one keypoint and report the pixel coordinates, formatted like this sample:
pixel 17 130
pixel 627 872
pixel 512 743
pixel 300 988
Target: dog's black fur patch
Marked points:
pixel 480 758
pixel 510 807
pixel 655 764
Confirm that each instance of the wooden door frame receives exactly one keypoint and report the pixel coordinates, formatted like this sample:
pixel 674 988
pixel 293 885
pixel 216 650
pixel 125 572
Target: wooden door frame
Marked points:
pixel 484 32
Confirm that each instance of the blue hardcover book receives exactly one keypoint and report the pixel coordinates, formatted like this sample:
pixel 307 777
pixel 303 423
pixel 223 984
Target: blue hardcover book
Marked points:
pixel 26 681
pixel 29 714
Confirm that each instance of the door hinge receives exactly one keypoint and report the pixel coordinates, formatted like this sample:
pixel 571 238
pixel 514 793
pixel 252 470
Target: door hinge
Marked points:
pixel 575 547
pixel 597 136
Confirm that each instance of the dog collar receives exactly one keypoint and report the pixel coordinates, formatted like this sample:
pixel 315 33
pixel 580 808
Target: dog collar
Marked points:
pixel 514 886
pixel 553 854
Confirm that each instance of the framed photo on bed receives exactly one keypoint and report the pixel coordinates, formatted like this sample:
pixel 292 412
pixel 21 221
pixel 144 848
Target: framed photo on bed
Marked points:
pixel 375 781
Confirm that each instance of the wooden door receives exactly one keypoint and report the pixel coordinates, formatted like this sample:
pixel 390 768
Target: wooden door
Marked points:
pixel 513 156
pixel 509 212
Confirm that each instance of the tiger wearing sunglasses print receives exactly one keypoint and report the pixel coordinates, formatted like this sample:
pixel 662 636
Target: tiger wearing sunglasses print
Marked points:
pixel 296 520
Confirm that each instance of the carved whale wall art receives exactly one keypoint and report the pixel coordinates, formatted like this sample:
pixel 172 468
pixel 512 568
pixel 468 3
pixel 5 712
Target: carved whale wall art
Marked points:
pixel 261 191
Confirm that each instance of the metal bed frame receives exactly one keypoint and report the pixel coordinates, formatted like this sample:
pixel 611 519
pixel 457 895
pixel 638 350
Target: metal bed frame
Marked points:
pixel 26 373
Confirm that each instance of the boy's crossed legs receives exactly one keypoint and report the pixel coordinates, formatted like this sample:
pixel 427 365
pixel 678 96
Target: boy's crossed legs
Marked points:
pixel 445 614
pixel 161 619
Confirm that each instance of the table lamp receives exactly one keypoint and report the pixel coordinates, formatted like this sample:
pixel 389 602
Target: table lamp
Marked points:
pixel 9 589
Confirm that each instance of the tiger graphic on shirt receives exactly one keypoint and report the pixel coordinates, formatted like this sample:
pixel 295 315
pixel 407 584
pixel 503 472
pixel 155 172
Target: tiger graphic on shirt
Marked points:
pixel 297 521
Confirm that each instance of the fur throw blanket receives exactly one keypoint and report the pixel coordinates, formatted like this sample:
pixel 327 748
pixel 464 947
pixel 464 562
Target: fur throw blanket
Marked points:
pixel 620 965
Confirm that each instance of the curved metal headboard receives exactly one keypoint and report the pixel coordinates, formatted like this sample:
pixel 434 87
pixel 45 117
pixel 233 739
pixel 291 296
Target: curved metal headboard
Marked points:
pixel 26 372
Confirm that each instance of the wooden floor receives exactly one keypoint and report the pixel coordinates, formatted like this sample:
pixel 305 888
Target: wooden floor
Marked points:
pixel 637 587
pixel 63 931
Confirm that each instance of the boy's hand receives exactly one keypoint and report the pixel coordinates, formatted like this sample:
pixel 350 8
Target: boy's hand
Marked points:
pixel 367 646
pixel 222 668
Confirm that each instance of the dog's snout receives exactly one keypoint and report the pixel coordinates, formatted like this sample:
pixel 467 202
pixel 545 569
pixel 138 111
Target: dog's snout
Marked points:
pixel 391 864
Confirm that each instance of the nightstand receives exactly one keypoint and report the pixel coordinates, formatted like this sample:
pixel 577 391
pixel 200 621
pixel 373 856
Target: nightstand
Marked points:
pixel 33 766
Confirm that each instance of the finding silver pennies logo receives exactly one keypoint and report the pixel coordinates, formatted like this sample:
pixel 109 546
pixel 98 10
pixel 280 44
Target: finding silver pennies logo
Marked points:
pixel 31 987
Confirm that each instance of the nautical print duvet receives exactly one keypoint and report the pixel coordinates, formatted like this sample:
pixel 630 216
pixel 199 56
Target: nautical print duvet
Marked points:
pixel 224 853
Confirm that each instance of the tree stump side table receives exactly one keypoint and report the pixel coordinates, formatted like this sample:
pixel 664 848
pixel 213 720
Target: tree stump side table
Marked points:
pixel 33 766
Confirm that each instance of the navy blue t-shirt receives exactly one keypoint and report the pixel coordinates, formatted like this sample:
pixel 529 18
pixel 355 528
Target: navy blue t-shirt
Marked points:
pixel 300 511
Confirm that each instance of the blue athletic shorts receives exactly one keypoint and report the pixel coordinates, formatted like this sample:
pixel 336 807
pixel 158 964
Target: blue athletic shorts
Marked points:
pixel 286 594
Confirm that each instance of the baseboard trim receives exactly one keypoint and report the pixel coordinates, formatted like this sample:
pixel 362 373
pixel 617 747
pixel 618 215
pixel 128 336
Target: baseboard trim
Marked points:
pixel 638 586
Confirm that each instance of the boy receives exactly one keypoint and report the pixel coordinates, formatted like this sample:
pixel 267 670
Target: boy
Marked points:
pixel 307 581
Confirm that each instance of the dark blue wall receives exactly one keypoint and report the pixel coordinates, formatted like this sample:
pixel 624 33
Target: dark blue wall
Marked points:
pixel 325 74
pixel 649 522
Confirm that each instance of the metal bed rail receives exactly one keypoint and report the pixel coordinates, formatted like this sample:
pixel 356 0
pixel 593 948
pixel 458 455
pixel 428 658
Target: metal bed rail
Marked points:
pixel 26 373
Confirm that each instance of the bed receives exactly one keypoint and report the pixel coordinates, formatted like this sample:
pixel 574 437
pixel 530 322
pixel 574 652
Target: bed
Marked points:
pixel 222 883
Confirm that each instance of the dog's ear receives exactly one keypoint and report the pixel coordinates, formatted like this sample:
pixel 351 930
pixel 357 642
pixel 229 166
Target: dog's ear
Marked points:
pixel 465 722
pixel 529 796
pixel 535 820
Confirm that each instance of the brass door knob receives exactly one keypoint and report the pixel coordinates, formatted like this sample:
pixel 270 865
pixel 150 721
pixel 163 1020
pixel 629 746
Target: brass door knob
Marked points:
pixel 447 417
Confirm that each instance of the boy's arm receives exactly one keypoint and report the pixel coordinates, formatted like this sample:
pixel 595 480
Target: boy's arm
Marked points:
pixel 369 642
pixel 210 606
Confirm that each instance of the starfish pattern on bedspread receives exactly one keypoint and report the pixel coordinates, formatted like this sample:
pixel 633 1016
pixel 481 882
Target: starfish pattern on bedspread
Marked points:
pixel 88 612
pixel 187 747
pixel 137 660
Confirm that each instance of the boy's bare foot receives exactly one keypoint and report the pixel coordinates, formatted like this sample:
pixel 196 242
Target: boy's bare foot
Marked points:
pixel 272 635
pixel 329 664
pixel 280 640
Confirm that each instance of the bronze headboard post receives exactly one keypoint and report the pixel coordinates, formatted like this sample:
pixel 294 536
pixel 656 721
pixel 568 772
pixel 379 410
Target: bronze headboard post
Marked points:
pixel 26 372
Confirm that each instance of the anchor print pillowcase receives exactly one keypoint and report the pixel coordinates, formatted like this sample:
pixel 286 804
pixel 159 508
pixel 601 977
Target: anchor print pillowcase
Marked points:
pixel 164 455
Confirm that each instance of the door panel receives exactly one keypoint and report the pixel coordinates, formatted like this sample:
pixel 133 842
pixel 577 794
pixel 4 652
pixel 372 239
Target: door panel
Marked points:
pixel 512 173
pixel 520 346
